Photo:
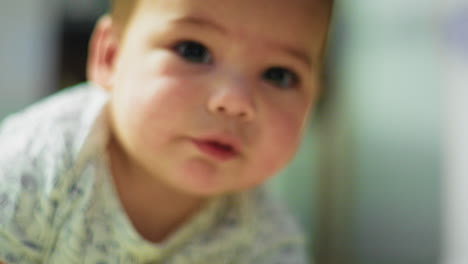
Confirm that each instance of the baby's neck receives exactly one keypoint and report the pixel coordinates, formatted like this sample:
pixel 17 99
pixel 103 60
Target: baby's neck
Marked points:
pixel 155 211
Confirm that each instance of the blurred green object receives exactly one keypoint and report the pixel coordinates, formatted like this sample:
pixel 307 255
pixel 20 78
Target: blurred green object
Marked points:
pixel 296 184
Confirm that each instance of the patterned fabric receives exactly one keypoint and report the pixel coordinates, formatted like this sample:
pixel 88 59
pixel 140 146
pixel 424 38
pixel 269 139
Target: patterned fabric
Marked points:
pixel 58 203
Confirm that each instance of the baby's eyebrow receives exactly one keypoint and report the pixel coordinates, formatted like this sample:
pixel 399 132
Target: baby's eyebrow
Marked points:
pixel 300 55
pixel 202 22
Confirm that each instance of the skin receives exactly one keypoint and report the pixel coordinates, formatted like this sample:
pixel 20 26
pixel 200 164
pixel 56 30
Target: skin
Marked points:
pixel 160 102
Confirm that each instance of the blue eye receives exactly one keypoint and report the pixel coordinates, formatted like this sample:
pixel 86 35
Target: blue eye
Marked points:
pixel 193 52
pixel 281 77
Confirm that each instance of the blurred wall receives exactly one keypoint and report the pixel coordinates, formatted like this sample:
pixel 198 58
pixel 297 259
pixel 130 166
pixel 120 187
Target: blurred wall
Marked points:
pixel 385 127
pixel 28 51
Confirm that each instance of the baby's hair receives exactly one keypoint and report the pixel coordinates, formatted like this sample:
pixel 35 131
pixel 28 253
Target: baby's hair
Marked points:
pixel 122 10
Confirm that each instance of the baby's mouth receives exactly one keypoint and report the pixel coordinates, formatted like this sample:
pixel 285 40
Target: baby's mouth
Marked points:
pixel 220 151
pixel 221 146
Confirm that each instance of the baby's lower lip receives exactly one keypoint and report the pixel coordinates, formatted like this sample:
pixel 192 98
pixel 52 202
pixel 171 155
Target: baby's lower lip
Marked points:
pixel 212 150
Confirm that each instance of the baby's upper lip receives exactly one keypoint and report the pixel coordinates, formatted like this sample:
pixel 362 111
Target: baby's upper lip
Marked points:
pixel 222 138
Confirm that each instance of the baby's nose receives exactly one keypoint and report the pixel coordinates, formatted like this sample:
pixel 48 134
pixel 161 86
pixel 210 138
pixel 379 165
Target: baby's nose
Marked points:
pixel 233 100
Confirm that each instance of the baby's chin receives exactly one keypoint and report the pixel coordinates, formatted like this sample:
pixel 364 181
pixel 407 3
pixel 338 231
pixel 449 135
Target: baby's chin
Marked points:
pixel 202 178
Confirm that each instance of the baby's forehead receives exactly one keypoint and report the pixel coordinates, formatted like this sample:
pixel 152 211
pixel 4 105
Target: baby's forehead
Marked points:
pixel 298 22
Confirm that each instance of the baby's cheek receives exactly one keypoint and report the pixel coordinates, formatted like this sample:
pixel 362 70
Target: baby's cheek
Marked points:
pixel 286 130
pixel 164 63
pixel 178 88
pixel 278 146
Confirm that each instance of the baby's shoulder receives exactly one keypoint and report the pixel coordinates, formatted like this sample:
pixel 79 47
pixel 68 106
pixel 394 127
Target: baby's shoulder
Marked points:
pixel 37 133
pixel 35 153
pixel 48 116
pixel 38 139
pixel 37 143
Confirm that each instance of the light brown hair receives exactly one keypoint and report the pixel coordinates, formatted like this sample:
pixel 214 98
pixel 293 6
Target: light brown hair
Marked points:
pixel 121 11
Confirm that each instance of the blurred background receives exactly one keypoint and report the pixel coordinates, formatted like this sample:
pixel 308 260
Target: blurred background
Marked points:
pixel 382 174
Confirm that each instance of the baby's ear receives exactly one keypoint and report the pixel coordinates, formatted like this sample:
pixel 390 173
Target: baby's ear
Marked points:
pixel 103 49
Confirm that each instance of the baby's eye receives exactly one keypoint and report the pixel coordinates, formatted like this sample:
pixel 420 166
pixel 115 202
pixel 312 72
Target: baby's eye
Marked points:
pixel 193 52
pixel 281 77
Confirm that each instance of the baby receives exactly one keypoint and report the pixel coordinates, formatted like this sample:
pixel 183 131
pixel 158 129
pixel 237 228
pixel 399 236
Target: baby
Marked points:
pixel 190 106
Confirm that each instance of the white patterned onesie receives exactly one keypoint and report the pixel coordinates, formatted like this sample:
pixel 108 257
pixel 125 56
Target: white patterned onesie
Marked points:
pixel 58 204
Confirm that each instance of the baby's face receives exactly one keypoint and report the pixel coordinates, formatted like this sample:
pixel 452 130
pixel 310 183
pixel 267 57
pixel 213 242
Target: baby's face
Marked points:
pixel 211 96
